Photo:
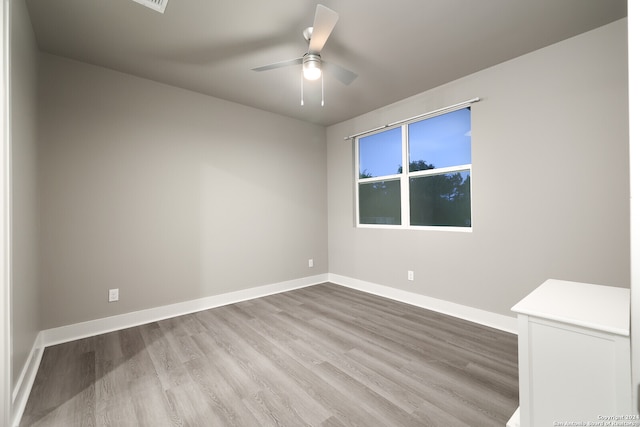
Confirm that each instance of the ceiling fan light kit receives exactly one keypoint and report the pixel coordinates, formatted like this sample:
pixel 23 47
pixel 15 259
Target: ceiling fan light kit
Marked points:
pixel 302 79
pixel 311 66
pixel 312 63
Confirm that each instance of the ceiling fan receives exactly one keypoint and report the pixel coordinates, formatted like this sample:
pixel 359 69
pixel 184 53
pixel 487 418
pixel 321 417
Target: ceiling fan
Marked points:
pixel 312 63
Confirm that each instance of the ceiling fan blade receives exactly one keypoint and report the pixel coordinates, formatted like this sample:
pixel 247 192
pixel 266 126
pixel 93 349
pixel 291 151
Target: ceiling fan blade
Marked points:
pixel 280 64
pixel 323 24
pixel 339 72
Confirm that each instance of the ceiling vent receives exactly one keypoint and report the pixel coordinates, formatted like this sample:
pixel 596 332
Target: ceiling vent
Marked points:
pixel 157 5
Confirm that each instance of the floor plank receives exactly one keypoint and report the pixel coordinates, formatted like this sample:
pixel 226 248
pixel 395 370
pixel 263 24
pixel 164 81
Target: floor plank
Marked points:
pixel 323 356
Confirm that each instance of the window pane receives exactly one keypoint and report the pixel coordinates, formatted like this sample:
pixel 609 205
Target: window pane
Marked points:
pixel 441 200
pixel 381 153
pixel 440 141
pixel 380 202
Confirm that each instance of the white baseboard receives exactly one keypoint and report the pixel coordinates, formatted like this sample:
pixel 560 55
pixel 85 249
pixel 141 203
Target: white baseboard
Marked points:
pixel 122 321
pixel 76 331
pixel 25 381
pixel 90 328
pixel 482 317
pixel 514 421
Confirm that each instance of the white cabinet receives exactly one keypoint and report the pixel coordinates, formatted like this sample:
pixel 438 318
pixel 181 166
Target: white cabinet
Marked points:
pixel 573 354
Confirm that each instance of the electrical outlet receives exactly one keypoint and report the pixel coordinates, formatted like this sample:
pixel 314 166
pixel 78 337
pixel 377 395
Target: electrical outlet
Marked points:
pixel 410 275
pixel 114 295
pixel 311 263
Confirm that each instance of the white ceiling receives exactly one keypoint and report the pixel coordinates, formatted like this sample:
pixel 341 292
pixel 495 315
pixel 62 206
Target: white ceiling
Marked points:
pixel 398 48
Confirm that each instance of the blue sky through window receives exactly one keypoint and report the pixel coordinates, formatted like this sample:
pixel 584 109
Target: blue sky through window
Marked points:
pixel 443 141
pixel 381 153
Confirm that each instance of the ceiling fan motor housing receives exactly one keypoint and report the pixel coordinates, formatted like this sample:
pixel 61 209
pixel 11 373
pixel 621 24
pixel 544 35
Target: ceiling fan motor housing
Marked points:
pixel 307 33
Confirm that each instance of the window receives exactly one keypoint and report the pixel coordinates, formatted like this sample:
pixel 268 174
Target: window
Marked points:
pixel 417 174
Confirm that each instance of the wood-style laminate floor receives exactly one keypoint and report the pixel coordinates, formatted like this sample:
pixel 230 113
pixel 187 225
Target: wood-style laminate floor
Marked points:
pixel 319 356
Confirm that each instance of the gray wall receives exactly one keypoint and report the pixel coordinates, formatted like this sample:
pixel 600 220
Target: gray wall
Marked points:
pixel 550 181
pixel 168 195
pixel 25 287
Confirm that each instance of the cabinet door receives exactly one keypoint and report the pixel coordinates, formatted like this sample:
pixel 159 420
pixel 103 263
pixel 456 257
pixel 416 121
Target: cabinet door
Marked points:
pixel 573 374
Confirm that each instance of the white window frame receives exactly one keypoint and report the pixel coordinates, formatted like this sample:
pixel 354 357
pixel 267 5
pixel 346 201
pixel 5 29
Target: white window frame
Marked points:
pixel 404 178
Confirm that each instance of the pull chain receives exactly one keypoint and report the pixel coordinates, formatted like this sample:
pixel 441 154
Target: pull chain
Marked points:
pixel 301 88
pixel 322 102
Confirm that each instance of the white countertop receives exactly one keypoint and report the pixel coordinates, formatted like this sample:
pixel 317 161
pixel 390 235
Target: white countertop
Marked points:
pixel 603 308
